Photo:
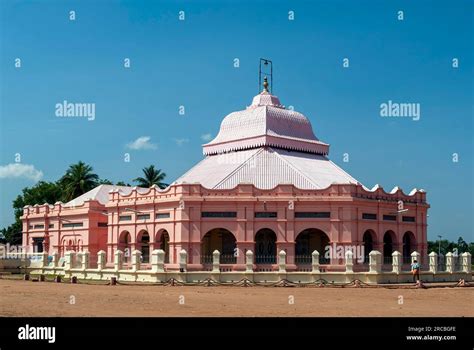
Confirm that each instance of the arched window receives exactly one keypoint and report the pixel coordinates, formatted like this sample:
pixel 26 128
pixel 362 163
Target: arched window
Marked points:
pixel 388 241
pixel 368 240
pixel 307 242
pixel 165 245
pixel 144 245
pixel 408 246
pixel 265 247
pixel 222 240
pixel 125 245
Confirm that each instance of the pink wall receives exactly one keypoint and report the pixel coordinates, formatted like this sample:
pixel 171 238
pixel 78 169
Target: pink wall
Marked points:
pixel 186 227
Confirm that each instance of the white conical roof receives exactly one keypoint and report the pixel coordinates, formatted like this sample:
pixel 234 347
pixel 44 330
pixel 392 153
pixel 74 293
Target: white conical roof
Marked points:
pixel 266 123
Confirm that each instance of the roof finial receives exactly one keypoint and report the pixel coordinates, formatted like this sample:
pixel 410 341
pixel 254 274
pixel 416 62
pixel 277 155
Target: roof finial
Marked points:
pixel 265 84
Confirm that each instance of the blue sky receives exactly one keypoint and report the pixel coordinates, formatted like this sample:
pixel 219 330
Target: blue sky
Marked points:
pixel 191 63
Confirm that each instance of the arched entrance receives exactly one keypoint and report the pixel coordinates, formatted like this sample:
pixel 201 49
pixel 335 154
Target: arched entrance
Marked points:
pixel 408 246
pixel 222 240
pixel 388 242
pixel 125 245
pixel 143 245
pixel 307 242
pixel 368 239
pixel 265 247
pixel 164 242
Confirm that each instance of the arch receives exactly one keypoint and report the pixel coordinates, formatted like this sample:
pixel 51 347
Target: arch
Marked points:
pixel 162 240
pixel 310 240
pixel 409 244
pixel 388 243
pixel 125 245
pixel 265 246
pixel 222 240
pixel 368 240
pixel 143 245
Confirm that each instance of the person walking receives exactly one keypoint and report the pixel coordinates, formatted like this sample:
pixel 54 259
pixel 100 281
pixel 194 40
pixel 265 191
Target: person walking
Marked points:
pixel 415 270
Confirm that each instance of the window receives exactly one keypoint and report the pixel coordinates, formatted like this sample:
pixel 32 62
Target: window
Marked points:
pixel 51 226
pixel 390 217
pixel 143 216
pixel 219 214
pixel 38 226
pixel 369 216
pixel 315 214
pixel 102 224
pixel 262 214
pixel 72 224
pixel 125 217
pixel 30 226
pixel 162 215
pixel 408 219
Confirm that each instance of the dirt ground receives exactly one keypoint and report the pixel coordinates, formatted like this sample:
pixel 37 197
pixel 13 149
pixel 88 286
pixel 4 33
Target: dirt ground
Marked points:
pixel 27 298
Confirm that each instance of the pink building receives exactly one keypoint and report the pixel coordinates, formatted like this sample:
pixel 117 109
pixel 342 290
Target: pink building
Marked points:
pixel 265 184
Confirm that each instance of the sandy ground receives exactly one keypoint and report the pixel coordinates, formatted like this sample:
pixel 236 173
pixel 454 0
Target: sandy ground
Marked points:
pixel 27 298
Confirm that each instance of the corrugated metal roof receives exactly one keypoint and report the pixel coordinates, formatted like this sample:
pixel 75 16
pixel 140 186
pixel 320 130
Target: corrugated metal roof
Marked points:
pixel 266 168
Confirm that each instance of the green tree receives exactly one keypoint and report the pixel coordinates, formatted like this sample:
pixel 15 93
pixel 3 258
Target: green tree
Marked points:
pixel 104 182
pixel 462 245
pixel 151 177
pixel 121 183
pixel 78 180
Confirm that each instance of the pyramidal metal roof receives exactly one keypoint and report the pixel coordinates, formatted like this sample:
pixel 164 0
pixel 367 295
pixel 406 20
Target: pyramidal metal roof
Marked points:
pixel 266 145
pixel 266 122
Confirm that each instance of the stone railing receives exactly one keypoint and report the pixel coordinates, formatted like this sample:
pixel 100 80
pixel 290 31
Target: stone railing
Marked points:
pixel 156 271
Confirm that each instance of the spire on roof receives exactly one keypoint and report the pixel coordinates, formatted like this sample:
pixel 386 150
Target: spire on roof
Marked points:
pixel 265 84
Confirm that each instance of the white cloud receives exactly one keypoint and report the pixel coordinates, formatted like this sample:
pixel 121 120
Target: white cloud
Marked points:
pixel 143 142
pixel 19 170
pixel 206 137
pixel 181 142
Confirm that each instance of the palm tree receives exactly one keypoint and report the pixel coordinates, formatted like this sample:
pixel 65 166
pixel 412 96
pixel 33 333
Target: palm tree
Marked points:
pixel 152 177
pixel 78 180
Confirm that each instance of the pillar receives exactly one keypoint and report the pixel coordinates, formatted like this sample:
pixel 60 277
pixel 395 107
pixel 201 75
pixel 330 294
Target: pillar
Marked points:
pixel 315 262
pixel 158 260
pixel 375 261
pixel 349 257
pixel 100 260
pixel 118 260
pixel 44 259
pixel 433 257
pixel 449 262
pixel 55 256
pixel 466 262
pixel 249 261
pixel 70 260
pixel 396 262
pixel 85 260
pixel 136 260
pixel 183 260
pixel 282 261
pixel 216 256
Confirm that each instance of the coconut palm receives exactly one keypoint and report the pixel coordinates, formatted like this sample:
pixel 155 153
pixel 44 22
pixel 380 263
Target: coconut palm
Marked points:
pixel 151 177
pixel 78 180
